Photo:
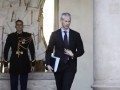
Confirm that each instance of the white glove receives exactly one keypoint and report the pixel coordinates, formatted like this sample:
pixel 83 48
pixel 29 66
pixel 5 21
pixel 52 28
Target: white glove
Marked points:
pixel 32 69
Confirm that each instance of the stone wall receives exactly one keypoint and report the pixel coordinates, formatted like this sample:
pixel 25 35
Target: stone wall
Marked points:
pixel 31 13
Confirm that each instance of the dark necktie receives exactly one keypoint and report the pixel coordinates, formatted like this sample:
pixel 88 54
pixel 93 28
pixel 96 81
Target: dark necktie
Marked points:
pixel 66 46
pixel 65 40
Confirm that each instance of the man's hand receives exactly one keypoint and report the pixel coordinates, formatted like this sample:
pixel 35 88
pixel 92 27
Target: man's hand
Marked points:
pixel 68 52
pixel 32 69
pixel 50 69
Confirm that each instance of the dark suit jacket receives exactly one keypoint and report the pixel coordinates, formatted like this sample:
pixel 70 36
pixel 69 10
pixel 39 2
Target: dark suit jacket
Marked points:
pixel 19 64
pixel 56 42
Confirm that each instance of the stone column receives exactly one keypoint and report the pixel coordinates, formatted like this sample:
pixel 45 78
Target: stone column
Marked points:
pixel 106 45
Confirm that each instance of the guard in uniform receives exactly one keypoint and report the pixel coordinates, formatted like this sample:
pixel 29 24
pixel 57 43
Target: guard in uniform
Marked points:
pixel 20 65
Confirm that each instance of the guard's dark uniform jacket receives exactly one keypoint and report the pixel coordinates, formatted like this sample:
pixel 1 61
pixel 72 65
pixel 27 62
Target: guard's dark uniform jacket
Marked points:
pixel 20 44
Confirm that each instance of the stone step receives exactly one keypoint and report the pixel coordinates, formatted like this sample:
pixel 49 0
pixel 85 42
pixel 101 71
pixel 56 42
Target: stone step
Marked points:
pixel 36 81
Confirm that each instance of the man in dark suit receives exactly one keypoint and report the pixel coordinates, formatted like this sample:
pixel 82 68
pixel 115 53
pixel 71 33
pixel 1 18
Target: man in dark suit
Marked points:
pixel 19 42
pixel 68 46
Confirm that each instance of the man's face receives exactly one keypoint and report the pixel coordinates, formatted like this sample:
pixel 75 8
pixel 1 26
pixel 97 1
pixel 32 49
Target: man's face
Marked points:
pixel 19 26
pixel 66 22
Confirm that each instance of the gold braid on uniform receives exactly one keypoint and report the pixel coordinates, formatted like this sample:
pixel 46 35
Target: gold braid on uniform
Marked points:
pixel 21 43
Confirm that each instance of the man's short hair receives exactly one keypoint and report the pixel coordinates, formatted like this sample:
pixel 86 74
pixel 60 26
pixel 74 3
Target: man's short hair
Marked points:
pixel 19 21
pixel 64 15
